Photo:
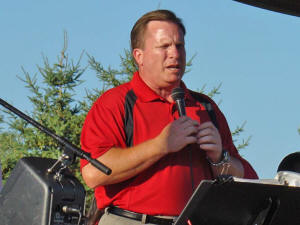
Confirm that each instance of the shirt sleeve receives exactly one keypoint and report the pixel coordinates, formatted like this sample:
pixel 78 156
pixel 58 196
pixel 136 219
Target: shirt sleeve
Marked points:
pixel 103 127
pixel 228 144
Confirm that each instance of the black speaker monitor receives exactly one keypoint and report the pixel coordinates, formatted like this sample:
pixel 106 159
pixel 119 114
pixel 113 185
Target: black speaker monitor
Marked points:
pixel 32 196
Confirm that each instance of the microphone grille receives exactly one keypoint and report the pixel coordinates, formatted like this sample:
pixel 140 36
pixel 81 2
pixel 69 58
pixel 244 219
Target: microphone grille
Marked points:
pixel 177 93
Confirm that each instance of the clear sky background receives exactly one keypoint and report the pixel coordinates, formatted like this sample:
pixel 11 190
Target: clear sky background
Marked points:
pixel 254 53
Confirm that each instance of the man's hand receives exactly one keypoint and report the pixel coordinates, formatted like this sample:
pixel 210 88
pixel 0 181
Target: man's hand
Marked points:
pixel 209 140
pixel 178 134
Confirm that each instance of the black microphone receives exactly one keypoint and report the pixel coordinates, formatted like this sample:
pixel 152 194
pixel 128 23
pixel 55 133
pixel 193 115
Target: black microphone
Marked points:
pixel 178 97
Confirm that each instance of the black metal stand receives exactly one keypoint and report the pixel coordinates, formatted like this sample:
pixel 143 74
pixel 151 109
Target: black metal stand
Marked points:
pixel 70 150
pixel 242 203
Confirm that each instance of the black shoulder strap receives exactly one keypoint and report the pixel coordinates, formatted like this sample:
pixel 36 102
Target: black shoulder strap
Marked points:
pixel 208 106
pixel 130 100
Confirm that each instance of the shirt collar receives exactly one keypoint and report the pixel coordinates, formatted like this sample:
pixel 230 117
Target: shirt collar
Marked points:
pixel 146 94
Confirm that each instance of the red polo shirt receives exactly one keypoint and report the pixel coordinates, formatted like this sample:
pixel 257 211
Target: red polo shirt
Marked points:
pixel 165 187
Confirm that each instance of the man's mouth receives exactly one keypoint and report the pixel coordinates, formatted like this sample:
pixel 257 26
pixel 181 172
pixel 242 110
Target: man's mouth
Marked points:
pixel 174 67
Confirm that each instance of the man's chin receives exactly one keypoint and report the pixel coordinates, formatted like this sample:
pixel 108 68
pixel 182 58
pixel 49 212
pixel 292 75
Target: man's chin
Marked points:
pixel 174 82
pixel 175 76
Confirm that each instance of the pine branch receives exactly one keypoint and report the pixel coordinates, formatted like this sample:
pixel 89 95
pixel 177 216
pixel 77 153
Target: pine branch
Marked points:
pixel 244 143
pixel 239 129
pixel 189 63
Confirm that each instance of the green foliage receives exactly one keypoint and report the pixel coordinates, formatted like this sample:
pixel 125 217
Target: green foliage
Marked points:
pixel 53 106
pixel 211 93
pixel 244 142
pixel 11 152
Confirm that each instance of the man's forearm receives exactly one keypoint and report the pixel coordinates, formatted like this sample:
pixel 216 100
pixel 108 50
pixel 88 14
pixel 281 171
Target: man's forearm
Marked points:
pixel 124 162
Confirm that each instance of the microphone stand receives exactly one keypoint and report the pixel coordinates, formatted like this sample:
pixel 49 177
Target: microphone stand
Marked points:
pixel 70 150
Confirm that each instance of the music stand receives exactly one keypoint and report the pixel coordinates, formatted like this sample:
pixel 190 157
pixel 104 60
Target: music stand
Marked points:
pixel 242 203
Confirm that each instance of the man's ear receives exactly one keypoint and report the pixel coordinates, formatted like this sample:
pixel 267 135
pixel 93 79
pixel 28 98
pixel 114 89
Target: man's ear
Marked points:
pixel 138 56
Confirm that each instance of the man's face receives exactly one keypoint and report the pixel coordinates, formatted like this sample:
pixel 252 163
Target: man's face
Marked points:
pixel 162 59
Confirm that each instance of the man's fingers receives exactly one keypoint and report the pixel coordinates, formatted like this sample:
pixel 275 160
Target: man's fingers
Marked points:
pixel 187 123
pixel 190 140
pixel 207 124
pixel 207 140
pixel 208 137
pixel 205 132
pixel 190 130
pixel 208 147
pixel 183 119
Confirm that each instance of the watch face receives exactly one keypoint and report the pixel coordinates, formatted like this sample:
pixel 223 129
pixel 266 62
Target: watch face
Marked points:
pixel 225 156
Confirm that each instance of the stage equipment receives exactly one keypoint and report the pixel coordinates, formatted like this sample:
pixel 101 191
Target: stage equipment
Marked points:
pixel 291 7
pixel 288 172
pixel 236 201
pixel 42 191
pixel 33 196
pixel 290 163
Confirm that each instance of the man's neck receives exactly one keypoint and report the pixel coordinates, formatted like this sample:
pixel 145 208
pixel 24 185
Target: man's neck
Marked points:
pixel 162 89
pixel 164 92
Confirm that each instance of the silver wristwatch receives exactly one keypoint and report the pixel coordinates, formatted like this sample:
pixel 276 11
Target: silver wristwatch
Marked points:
pixel 224 159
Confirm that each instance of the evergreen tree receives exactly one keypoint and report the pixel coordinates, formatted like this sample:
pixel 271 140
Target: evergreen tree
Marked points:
pixel 54 106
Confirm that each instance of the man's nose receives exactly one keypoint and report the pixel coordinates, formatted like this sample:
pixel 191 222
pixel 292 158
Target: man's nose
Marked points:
pixel 174 51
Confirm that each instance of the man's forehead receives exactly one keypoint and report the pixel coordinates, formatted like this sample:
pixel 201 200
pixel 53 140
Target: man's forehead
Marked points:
pixel 156 24
pixel 158 28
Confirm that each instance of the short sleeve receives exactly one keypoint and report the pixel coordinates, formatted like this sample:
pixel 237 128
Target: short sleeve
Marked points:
pixel 104 126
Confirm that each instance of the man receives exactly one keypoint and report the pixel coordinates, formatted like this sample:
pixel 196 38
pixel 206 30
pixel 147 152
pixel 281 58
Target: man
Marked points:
pixel 157 157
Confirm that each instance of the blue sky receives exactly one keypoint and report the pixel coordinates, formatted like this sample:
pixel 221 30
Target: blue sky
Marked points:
pixel 254 53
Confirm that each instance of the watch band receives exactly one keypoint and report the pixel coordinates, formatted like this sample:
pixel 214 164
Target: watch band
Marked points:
pixel 224 159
